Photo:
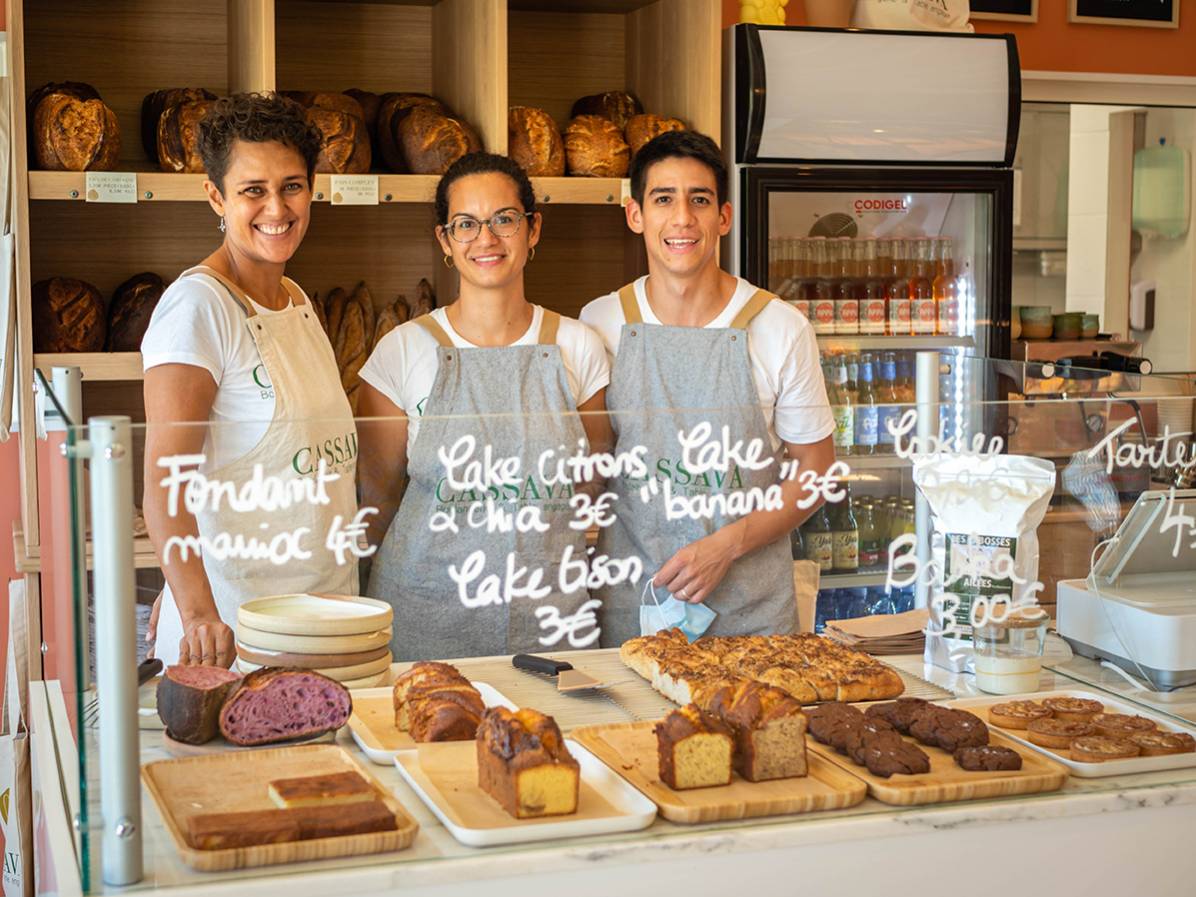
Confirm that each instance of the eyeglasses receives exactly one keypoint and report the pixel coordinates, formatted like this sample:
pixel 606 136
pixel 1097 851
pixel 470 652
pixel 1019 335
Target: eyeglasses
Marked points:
pixel 503 223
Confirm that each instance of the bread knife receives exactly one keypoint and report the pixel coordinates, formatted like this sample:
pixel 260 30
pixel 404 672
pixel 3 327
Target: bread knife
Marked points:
pixel 567 678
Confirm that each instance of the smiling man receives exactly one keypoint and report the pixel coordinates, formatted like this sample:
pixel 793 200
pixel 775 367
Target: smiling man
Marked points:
pixel 694 346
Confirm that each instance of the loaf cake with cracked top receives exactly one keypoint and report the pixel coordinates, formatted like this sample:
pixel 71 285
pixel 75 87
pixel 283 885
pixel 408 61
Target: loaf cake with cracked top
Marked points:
pixel 523 763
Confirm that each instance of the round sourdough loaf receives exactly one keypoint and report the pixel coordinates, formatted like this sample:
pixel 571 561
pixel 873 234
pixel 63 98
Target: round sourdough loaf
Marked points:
pixel 535 142
pixel 178 136
pixel 158 102
pixel 129 313
pixel 594 147
pixel 68 316
pixel 75 134
pixel 431 141
pixel 642 128
pixel 616 105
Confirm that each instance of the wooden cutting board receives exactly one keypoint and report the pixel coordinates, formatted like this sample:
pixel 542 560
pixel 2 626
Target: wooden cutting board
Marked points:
pixel 238 781
pixel 947 782
pixel 630 750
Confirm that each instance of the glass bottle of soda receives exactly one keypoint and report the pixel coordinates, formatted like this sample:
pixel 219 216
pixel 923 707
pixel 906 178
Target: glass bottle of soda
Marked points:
pixel 897 286
pixel 822 300
pixel 847 306
pixel 816 537
pixel 798 294
pixel 890 410
pixel 946 290
pixel 871 290
pixel 843 408
pixel 867 414
pixel 845 537
pixel 923 312
pixel 870 538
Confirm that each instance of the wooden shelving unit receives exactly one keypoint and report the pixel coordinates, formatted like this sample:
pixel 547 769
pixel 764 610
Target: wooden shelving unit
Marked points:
pixel 479 56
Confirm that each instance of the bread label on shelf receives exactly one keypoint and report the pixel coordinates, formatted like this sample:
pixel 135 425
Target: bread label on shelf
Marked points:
pixel 624 191
pixel 354 189
pixel 111 186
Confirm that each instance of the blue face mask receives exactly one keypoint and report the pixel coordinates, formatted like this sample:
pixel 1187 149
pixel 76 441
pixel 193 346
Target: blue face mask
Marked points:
pixel 692 619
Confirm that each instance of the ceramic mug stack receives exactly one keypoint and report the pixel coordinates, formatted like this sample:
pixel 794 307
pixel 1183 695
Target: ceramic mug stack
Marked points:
pixel 347 638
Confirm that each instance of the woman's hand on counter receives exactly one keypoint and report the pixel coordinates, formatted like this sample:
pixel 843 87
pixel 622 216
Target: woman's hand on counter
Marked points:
pixel 207 640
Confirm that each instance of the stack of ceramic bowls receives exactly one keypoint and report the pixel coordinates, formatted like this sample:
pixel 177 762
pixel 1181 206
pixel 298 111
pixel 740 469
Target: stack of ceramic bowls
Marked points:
pixel 344 637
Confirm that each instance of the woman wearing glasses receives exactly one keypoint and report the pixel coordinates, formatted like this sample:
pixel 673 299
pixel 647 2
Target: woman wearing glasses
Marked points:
pixel 490 372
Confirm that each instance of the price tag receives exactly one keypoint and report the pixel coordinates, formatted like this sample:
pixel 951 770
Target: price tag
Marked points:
pixel 110 186
pixel 354 189
pixel 624 191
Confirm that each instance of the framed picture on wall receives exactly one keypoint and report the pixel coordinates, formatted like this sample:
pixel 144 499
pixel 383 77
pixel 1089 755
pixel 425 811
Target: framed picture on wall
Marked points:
pixel 1007 10
pixel 1142 13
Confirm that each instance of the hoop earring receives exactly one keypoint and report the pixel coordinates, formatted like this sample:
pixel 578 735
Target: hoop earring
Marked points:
pixel 221 226
pixel 531 255
pixel 448 261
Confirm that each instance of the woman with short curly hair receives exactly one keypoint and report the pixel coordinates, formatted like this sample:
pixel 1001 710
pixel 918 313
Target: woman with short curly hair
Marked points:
pixel 235 344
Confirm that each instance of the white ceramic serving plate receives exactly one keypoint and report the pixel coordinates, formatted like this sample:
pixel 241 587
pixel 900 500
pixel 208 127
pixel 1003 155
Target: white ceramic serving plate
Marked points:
pixel 368 739
pixel 311 644
pixel 305 614
pixel 635 811
pixel 1112 705
pixel 367 670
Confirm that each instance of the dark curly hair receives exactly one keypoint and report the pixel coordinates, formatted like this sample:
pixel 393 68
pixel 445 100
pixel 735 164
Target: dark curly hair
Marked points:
pixel 678 145
pixel 483 163
pixel 255 118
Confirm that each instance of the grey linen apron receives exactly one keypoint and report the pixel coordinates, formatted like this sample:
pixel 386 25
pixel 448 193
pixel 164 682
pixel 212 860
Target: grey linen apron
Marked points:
pixel 666 379
pixel 515 399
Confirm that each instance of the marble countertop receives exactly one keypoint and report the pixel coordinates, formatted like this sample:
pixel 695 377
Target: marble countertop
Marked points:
pixel 437 858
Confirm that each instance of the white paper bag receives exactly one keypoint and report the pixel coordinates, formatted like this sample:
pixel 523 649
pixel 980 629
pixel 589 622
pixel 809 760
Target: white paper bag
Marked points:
pixel 16 812
pixel 912 15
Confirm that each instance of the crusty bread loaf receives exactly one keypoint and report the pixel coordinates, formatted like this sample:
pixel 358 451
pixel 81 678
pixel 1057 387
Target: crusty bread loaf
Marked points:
pixel 594 147
pixel 158 102
pixel 425 298
pixel 129 313
pixel 388 320
pixel 535 142
pixel 523 763
pixel 74 134
pixel 694 749
pixel 431 141
pixel 642 128
pixel 277 704
pixel 68 316
pixel 769 728
pixel 391 110
pixel 350 344
pixel 334 310
pixel 345 142
pixel 178 136
pixel 189 699
pixel 616 105
pixel 369 103
pixel 434 702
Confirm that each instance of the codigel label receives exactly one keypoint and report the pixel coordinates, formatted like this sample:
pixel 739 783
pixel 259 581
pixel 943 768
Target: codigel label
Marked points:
pixel 844 425
pixel 925 315
pixel 867 419
pixel 824 316
pixel 872 316
pixel 847 316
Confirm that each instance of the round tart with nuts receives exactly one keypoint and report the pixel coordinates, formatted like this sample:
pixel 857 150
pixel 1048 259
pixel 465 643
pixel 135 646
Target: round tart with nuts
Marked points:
pixel 1159 744
pixel 1016 714
pixel 1102 748
pixel 1056 733
pixel 1122 725
pixel 1073 710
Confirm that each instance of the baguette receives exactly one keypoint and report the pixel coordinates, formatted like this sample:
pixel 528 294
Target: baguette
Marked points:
pixel 361 295
pixel 334 310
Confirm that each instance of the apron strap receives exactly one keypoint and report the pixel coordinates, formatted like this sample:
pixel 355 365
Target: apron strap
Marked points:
pixel 293 290
pixel 435 330
pixel 235 291
pixel 754 306
pixel 631 305
pixel 549 325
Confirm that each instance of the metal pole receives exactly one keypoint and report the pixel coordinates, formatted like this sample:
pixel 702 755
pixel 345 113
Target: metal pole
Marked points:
pixel 116 647
pixel 926 394
pixel 67 383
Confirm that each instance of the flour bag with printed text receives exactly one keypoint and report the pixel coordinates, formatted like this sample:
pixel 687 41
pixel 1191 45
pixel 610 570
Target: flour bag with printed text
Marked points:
pixel 985 513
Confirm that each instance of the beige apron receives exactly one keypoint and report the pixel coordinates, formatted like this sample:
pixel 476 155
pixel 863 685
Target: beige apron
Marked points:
pixel 312 422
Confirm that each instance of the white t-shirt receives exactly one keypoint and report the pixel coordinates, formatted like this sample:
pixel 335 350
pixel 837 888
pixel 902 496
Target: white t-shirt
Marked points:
pixel 783 352
pixel 403 365
pixel 197 322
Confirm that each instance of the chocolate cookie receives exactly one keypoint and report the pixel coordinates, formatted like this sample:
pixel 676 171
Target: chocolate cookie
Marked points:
pixel 900 713
pixel 884 752
pixel 831 724
pixel 856 738
pixel 948 729
pixel 987 757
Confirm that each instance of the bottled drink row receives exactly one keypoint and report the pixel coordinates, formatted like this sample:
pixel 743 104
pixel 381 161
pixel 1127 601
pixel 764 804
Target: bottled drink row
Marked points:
pixel 896 287
pixel 854 535
pixel 868 393
pixel 847 604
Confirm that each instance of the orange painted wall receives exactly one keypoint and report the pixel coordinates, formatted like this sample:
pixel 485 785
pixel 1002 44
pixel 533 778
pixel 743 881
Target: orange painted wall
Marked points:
pixel 1053 44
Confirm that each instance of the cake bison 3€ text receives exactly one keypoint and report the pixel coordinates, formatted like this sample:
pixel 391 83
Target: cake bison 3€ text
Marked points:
pixel 524 765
